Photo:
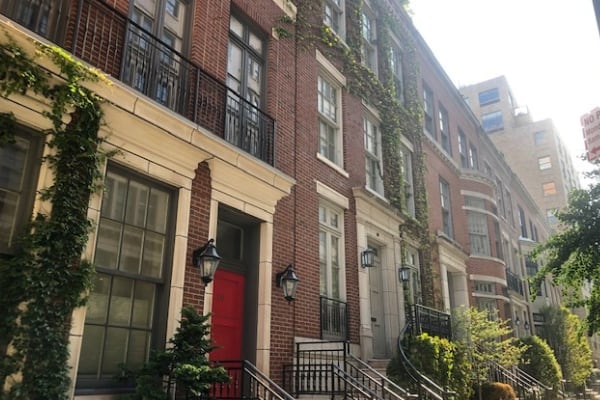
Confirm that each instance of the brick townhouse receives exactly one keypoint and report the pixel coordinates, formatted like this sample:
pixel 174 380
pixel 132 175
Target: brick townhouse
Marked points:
pixel 299 135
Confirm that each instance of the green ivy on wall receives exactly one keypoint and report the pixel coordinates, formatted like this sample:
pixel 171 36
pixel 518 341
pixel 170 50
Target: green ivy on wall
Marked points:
pixel 45 279
pixel 397 119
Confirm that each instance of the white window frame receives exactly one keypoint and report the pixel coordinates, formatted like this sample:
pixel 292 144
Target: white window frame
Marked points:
pixel 446 207
pixel 328 231
pixel 369 38
pixel 337 20
pixel 428 112
pixel 462 149
pixel 478 229
pixel 544 163
pixel 373 155
pixel 549 188
pixel 410 259
pixel 444 123
pixel 407 154
pixel 397 67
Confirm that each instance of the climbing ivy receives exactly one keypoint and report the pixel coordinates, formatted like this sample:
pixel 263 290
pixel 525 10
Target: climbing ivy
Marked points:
pixel 397 118
pixel 44 280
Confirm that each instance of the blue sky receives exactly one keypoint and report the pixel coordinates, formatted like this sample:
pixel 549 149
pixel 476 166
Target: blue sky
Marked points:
pixel 549 51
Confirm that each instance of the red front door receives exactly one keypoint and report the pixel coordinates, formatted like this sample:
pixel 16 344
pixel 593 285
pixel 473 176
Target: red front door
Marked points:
pixel 227 316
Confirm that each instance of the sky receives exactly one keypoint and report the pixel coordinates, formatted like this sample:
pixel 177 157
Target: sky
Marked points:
pixel 549 51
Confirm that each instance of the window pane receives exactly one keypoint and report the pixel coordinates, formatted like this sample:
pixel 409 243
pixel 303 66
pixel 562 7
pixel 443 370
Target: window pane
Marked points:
pixel 9 202
pixel 91 348
pixel 131 250
pixel 113 200
pixel 121 301
pixel 489 97
pixel 115 351
pixel 492 121
pixel 137 202
pixel 107 244
pixel 154 247
pixel 143 305
pixel 139 347
pixel 98 302
pixel 157 211
pixel 12 164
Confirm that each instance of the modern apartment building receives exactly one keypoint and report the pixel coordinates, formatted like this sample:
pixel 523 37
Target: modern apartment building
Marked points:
pixel 292 134
pixel 534 149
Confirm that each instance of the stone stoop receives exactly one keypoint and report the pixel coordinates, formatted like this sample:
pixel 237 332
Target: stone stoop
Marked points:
pixel 592 394
pixel 379 365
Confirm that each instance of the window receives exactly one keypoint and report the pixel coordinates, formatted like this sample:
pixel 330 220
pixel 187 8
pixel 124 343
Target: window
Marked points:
pixel 152 67
pixel 19 163
pixel 428 111
pixel 498 241
pixel 330 251
pixel 407 175
pixel 488 305
pixel 39 16
pixel 446 209
pixel 462 149
pixel 489 96
pixel 410 259
pixel 473 158
pixel 492 121
pixel 549 188
pixel 538 138
pixel 500 197
pixel 245 62
pixel 373 156
pixel 444 129
pixel 551 216
pixel 397 71
pixel 509 208
pixel 544 163
pixel 369 45
pixel 329 112
pixel 123 320
pixel 478 233
pixel 522 222
pixel 333 16
pixel 484 287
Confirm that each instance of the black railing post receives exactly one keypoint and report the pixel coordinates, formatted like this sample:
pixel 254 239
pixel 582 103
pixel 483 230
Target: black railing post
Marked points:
pixel 297 377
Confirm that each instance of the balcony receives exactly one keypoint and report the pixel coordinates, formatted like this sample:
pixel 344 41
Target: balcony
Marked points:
pixel 108 40
pixel 334 319
pixel 514 283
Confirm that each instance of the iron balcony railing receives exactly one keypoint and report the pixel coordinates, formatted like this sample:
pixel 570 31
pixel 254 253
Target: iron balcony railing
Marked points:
pixel 108 40
pixel 431 321
pixel 334 319
pixel 514 282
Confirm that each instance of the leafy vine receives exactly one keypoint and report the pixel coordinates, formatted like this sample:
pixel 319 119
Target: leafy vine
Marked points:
pixel 397 118
pixel 44 280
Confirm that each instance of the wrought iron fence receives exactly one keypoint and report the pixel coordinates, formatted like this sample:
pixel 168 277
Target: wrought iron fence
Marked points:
pixel 334 319
pixel 434 322
pixel 514 282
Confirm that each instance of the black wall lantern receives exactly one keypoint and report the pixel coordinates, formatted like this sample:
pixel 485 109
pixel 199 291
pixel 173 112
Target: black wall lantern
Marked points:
pixel 367 258
pixel 207 260
pixel 405 273
pixel 288 280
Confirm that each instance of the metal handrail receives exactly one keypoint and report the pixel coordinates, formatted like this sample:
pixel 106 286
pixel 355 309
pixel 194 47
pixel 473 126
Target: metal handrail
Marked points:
pixel 347 378
pixel 424 383
pixel 387 386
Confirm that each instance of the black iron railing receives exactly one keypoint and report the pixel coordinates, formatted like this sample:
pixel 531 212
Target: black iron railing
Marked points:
pixel 334 319
pixel 329 368
pixel 246 382
pixel 514 282
pixel 426 388
pixel 108 40
pixel 431 321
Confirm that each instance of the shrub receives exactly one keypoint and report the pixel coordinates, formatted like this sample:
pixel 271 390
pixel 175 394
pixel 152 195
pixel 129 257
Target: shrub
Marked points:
pixel 539 362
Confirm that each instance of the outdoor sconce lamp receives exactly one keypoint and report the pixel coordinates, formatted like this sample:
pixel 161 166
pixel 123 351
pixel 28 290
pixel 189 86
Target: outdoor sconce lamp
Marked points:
pixel 526 326
pixel 288 280
pixel 367 258
pixel 517 321
pixel 207 260
pixel 405 273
